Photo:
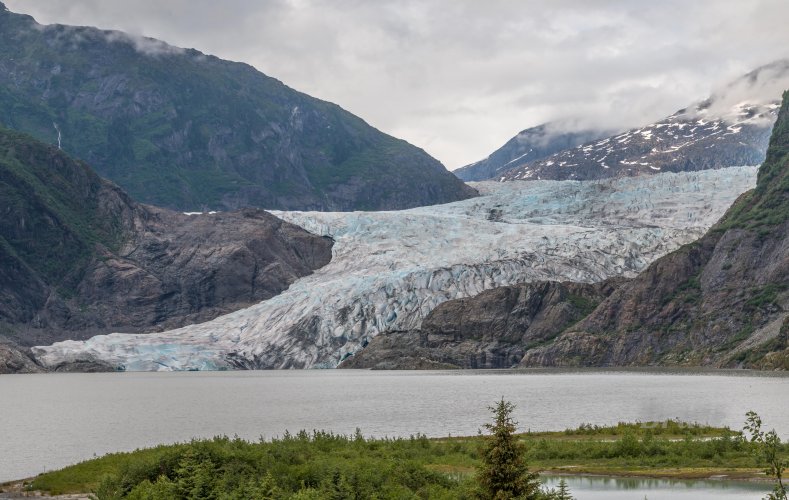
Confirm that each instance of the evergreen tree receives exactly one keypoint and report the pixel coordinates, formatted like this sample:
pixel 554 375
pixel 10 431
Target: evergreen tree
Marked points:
pixel 563 493
pixel 503 473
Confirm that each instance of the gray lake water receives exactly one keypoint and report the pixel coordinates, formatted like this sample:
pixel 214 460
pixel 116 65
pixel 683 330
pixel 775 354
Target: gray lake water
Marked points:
pixel 52 420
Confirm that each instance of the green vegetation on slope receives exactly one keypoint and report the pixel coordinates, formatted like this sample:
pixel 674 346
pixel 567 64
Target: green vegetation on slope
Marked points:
pixel 323 465
pixel 52 218
pixel 180 129
pixel 768 204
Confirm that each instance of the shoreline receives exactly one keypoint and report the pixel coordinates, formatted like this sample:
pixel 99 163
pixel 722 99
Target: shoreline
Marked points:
pixel 661 369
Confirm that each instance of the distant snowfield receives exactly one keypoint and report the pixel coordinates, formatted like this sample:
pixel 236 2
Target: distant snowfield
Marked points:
pixel 390 269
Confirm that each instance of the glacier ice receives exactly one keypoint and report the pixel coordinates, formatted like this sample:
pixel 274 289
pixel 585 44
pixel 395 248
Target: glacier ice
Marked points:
pixel 389 269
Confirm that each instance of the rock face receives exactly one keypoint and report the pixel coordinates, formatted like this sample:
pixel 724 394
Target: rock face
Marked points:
pixel 490 330
pixel 79 257
pixel 180 269
pixel 15 360
pixel 389 270
pixel 730 128
pixel 723 300
pixel 184 130
pixel 529 145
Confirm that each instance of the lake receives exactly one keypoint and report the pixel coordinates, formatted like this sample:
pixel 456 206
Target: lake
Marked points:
pixel 48 421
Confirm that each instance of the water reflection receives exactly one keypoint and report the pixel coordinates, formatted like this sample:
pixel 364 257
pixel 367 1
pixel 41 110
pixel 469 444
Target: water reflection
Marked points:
pixel 626 488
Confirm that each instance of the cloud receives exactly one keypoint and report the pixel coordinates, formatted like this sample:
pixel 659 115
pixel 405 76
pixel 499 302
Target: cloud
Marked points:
pixel 145 45
pixel 74 36
pixel 461 77
pixel 763 85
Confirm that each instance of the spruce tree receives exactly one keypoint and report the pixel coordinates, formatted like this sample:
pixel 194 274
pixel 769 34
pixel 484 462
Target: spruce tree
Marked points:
pixel 563 493
pixel 503 473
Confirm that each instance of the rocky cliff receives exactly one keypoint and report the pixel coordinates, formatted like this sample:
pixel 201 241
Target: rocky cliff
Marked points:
pixel 14 359
pixel 79 257
pixel 491 330
pixel 185 130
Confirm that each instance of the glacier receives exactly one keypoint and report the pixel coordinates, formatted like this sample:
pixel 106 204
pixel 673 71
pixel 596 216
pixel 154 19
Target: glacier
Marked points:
pixel 390 269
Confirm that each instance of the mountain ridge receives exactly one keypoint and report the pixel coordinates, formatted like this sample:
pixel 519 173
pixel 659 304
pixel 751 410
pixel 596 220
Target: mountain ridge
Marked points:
pixel 529 144
pixel 661 147
pixel 729 128
pixel 181 129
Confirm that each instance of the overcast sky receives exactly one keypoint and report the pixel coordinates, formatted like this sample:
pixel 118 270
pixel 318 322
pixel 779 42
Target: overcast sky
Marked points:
pixel 460 77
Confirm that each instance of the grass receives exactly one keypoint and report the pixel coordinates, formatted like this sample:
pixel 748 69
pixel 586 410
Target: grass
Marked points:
pixel 415 467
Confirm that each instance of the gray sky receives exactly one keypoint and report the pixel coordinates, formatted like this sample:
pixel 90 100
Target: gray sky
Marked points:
pixel 460 77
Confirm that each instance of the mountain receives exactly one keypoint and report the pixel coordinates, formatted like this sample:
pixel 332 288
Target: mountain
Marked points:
pixel 180 129
pixel 730 128
pixel 529 145
pixel 722 301
pixel 389 270
pixel 78 256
